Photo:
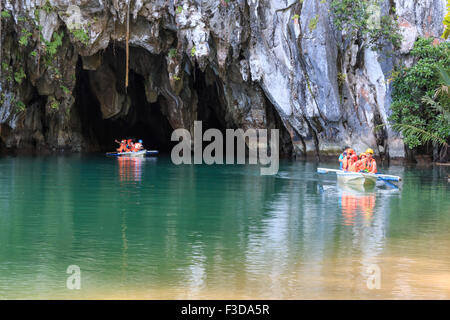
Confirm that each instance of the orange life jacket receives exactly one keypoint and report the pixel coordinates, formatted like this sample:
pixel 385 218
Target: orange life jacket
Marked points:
pixel 137 147
pixel 357 166
pixel 370 165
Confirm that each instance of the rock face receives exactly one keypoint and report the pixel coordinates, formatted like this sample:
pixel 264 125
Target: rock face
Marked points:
pixel 233 64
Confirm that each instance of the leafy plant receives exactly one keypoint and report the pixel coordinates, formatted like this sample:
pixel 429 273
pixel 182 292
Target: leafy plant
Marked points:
pixel 295 17
pixel 81 35
pixel 5 14
pixel 341 78
pixel 20 106
pixel 33 53
pixel 19 76
pixel 23 40
pixel 355 18
pixel 172 53
pixel 446 22
pixel 193 51
pixel 179 9
pixel 51 47
pixel 65 89
pixel 313 22
pixel 53 103
pixel 420 100
pixel 47 7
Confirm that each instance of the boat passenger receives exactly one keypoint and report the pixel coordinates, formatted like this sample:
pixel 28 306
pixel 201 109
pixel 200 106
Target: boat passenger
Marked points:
pixel 357 166
pixel 342 156
pixel 348 160
pixel 370 165
pixel 130 145
pixel 123 146
pixel 138 146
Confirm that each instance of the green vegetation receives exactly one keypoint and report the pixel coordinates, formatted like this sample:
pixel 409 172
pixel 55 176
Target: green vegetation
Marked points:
pixel 446 22
pixel 65 89
pixel 51 47
pixel 6 70
pixel 174 77
pixel 179 9
pixel 295 17
pixel 172 53
pixel 23 40
pixel 341 78
pixel 421 96
pixel 5 14
pixel 19 76
pixel 47 7
pixel 54 104
pixel 313 22
pixel 355 18
pixel 193 51
pixel 81 35
pixel 20 106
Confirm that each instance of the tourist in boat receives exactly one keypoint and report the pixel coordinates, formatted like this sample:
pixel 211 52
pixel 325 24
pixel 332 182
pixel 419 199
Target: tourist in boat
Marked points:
pixel 358 165
pixel 138 146
pixel 370 165
pixel 342 156
pixel 123 146
pixel 349 159
pixel 130 145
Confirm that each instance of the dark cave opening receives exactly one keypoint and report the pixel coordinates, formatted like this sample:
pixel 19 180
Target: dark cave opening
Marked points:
pixel 209 109
pixel 143 120
pixel 136 117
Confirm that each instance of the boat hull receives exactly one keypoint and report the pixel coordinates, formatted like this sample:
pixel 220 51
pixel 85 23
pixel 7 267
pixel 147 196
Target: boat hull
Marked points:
pixel 138 154
pixel 356 178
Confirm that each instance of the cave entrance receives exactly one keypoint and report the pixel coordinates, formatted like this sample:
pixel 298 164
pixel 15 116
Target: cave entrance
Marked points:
pixel 135 119
pixel 108 111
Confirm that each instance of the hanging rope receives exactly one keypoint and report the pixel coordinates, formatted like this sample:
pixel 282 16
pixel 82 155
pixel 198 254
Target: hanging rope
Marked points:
pixel 127 47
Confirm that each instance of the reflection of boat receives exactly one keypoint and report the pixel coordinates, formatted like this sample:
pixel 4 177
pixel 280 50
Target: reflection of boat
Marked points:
pixel 357 178
pixel 130 168
pixel 137 154
pixel 355 201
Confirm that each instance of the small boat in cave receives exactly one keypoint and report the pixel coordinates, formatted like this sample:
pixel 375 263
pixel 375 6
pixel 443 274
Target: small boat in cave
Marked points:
pixel 136 154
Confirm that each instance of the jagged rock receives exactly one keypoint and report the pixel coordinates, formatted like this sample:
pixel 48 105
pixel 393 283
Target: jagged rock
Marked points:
pixel 259 68
pixel 103 84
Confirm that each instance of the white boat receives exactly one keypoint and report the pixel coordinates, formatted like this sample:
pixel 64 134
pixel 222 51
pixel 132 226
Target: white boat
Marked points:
pixel 136 154
pixel 357 178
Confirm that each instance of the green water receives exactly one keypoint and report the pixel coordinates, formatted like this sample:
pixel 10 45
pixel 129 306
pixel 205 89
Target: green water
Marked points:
pixel 149 229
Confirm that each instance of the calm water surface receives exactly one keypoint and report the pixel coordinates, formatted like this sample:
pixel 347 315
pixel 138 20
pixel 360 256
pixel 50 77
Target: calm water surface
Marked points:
pixel 149 229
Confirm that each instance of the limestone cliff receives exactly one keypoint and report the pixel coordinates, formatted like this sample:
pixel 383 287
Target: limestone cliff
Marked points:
pixel 233 64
